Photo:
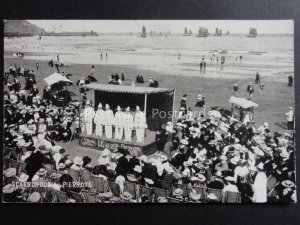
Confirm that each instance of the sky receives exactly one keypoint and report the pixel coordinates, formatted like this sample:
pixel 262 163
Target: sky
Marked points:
pixel 175 26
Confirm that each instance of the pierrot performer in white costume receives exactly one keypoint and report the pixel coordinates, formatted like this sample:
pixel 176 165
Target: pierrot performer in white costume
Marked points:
pixel 99 120
pixel 119 120
pixel 140 124
pixel 128 124
pixel 88 115
pixel 109 121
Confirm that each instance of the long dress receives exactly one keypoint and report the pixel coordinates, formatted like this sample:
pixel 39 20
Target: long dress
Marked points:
pixel 260 188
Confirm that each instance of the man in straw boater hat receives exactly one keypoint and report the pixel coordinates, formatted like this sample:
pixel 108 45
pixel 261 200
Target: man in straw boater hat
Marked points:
pixel 88 115
pixel 119 119
pixel 109 121
pixel 99 120
pixel 128 124
pixel 140 124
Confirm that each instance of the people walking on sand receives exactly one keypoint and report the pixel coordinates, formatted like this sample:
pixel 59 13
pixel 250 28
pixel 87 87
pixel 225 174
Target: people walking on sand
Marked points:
pixel 122 76
pixel 179 56
pixel 261 87
pixel 250 90
pixel 241 58
pixel 201 65
pixel 290 119
pixel 57 57
pixel 183 102
pixel 37 66
pixel 257 78
pixel 101 57
pixel 290 81
pixel 106 56
pixel 235 89
pixel 222 62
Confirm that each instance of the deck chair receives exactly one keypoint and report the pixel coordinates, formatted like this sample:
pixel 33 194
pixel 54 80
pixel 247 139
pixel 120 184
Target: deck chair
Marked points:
pixel 174 200
pixel 90 198
pixel 61 196
pixel 142 190
pixel 185 188
pixel 85 176
pixel 271 184
pixel 115 188
pixel 74 174
pixel 216 192
pixel 201 191
pixel 100 184
pixel 131 188
pixel 165 184
pixel 13 154
pixel 160 193
pixel 232 197
pixel 76 196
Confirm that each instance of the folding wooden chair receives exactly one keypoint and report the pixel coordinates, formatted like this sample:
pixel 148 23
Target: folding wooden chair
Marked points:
pixel 232 197
pixel 131 188
pixel 160 193
pixel 271 184
pixel 201 191
pixel 100 184
pixel 85 176
pixel 142 190
pixel 216 192
pixel 90 198
pixel 185 188
pixel 76 196
pixel 174 200
pixel 74 174
pixel 115 188
pixel 165 184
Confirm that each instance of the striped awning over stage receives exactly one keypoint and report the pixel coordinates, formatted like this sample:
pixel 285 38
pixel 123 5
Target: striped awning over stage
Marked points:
pixel 125 89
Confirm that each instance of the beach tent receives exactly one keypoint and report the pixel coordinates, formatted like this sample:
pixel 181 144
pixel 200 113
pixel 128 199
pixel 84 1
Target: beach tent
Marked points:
pixel 243 105
pixel 56 78
pixel 242 102
pixel 157 103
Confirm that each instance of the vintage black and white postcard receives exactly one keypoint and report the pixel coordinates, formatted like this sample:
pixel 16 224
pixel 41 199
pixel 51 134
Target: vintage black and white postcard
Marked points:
pixel 149 111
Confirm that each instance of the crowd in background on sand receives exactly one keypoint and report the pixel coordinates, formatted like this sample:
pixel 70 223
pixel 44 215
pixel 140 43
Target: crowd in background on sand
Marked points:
pixel 197 160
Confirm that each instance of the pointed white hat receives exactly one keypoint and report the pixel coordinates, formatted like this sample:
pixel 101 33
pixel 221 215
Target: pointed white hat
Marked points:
pixel 107 106
pixel 100 105
pixel 119 108
pixel 128 109
pixel 137 108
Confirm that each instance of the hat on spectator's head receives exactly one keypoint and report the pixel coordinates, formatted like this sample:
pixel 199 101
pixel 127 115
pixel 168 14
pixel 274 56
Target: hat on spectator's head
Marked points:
pixel 23 177
pixel 288 183
pixel 78 161
pixel 178 192
pixel 10 172
pixel 7 189
pixel 34 197
pixel 126 196
pixel 162 200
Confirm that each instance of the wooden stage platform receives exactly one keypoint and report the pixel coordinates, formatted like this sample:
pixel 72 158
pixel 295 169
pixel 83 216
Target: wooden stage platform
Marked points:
pixel 99 143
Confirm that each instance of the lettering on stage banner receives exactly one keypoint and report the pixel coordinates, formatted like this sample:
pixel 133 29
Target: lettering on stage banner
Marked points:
pixel 101 144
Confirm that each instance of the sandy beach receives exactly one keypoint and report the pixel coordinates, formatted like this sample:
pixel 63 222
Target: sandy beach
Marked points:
pixel 159 59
